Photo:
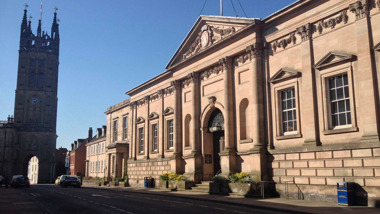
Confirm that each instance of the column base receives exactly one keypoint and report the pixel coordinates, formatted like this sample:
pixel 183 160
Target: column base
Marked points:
pixel 369 138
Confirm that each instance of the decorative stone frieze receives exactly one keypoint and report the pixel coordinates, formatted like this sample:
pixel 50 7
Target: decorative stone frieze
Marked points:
pixel 141 102
pixel 332 22
pixel 242 59
pixel 283 43
pixel 305 31
pixel 188 80
pixel 214 70
pixel 207 37
pixel 154 96
pixel 168 91
pixel 226 63
pixel 360 8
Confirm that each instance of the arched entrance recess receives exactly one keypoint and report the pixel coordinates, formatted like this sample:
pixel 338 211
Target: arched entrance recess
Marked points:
pixel 213 142
pixel 30 168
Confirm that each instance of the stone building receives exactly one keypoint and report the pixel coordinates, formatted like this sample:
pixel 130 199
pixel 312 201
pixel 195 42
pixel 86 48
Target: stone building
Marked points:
pixel 292 98
pixel 32 131
pixel 60 158
pixel 96 158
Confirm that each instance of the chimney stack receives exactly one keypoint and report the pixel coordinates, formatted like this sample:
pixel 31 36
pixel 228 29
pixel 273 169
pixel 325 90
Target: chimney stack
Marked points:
pixel 72 147
pixel 104 129
pixel 90 133
pixel 98 132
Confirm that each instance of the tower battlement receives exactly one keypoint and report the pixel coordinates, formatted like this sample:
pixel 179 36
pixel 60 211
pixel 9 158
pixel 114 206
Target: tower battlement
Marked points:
pixel 42 41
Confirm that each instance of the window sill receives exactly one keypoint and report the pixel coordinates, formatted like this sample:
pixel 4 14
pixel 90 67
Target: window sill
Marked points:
pixel 290 136
pixel 245 141
pixel 169 150
pixel 154 152
pixel 340 130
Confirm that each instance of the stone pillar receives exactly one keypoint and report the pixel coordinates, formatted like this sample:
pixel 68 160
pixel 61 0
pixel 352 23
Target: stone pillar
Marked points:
pixel 177 154
pixel 131 135
pixel 109 167
pixel 257 152
pixel 161 126
pixel 228 156
pixel 134 133
pixel 368 109
pixel 309 112
pixel 196 146
pixel 147 128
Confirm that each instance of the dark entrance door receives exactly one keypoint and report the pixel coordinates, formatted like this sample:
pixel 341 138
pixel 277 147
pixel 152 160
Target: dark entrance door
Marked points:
pixel 217 145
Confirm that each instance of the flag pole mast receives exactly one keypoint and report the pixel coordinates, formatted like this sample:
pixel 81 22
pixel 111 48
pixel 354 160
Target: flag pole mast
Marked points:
pixel 41 11
pixel 221 7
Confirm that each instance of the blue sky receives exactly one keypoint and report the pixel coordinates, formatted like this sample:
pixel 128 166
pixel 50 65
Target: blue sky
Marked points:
pixel 107 48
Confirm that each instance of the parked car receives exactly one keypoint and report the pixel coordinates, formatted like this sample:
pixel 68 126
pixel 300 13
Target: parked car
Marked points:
pixel 20 181
pixel 70 181
pixel 57 181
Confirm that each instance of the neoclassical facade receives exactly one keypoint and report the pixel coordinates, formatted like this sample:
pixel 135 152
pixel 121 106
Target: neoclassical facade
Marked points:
pixel 292 98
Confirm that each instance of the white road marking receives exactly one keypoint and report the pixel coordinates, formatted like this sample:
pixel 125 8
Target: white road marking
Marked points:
pixel 219 208
pixel 97 195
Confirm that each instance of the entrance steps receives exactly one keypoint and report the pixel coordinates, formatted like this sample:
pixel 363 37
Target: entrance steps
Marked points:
pixel 203 187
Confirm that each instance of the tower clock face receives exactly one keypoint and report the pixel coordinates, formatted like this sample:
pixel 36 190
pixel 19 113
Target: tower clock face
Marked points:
pixel 35 100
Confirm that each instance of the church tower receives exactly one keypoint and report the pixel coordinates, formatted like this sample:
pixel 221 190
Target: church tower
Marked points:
pixel 35 112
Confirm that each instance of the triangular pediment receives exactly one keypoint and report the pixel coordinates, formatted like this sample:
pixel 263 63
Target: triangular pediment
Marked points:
pixel 377 47
pixel 334 58
pixel 140 120
pixel 207 32
pixel 284 74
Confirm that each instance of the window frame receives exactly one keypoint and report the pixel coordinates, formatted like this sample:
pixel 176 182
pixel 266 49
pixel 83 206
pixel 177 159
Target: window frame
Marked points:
pixel 141 140
pixel 168 134
pixel 326 108
pixel 154 137
pixel 278 87
pixel 114 130
pixel 125 127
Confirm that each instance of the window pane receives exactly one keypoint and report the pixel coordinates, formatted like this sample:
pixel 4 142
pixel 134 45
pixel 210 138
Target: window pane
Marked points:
pixel 284 116
pixel 283 95
pixel 295 125
pixel 290 115
pixel 294 115
pixel 341 106
pixel 331 82
pixel 334 120
pixel 348 118
pixel 346 93
pixel 342 119
pixel 332 95
pixel 345 79
pixel 339 80
pixel 285 127
pixel 289 104
pixel 289 94
pixel 348 107
pixel 339 93
pixel 290 126
pixel 284 105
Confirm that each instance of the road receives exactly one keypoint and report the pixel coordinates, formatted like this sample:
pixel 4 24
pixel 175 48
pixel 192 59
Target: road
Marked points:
pixel 54 199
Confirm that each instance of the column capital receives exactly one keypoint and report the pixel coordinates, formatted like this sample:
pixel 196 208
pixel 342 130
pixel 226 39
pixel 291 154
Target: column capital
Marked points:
pixel 176 84
pixel 255 50
pixel 360 8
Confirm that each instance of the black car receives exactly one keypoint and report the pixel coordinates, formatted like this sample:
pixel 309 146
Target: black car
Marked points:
pixel 70 181
pixel 20 181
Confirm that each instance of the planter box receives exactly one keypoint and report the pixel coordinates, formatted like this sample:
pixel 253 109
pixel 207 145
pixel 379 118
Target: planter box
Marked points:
pixel 241 189
pixel 182 185
pixel 164 184
pixel 173 185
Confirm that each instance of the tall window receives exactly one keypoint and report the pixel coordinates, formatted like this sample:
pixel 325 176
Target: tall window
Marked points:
pixel 141 140
pixel 339 100
pixel 288 110
pixel 125 127
pixel 154 137
pixel 170 134
pixel 115 130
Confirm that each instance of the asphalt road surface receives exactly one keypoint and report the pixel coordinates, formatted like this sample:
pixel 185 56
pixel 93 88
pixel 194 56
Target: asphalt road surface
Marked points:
pixel 54 199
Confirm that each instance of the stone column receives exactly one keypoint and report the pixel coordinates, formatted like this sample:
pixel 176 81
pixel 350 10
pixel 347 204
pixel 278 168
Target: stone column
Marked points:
pixel 109 167
pixel 196 114
pixel 134 132
pixel 177 155
pixel 147 98
pixel 177 118
pixel 257 96
pixel 368 111
pixel 309 112
pixel 228 155
pixel 161 125
pixel 228 103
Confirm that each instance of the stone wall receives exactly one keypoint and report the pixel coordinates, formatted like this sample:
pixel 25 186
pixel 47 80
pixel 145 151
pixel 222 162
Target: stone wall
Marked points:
pixel 137 170
pixel 314 175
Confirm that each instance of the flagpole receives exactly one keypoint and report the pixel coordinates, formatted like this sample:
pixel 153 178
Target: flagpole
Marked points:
pixel 41 11
pixel 221 7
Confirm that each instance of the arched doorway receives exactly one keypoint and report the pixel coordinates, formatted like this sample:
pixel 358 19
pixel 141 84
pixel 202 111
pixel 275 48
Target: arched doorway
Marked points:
pixel 33 168
pixel 213 138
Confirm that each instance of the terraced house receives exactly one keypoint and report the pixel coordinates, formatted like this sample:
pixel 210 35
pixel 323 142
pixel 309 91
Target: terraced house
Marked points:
pixel 292 98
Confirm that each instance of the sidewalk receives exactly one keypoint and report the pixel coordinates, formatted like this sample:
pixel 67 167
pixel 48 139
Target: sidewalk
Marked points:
pixel 280 204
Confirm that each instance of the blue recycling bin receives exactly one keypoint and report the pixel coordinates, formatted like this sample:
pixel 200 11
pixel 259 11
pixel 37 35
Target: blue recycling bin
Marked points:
pixel 346 193
pixel 148 182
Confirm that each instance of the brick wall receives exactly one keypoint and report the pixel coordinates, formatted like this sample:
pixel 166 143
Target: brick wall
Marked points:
pixel 306 172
